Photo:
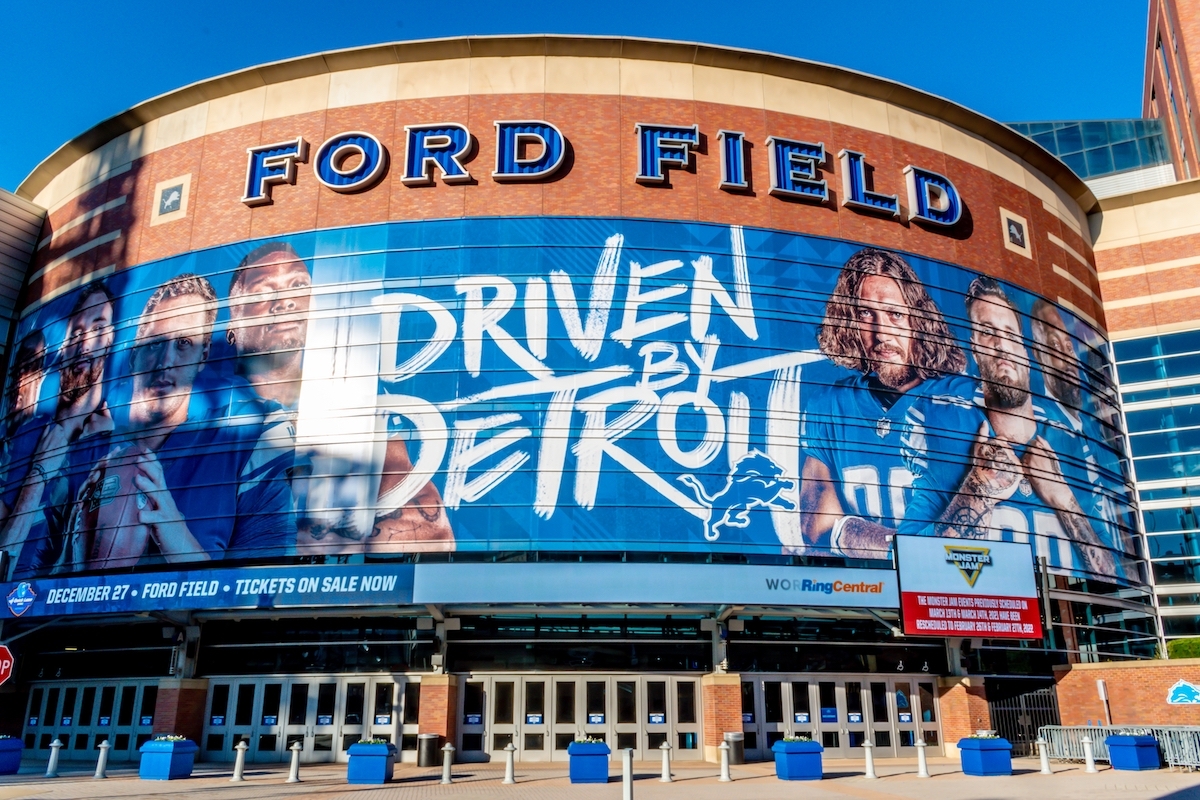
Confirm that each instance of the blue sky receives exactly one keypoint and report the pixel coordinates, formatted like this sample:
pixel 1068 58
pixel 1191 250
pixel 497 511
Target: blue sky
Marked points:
pixel 67 65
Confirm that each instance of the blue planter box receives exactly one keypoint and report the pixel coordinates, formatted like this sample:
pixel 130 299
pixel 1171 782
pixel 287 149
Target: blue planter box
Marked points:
pixel 797 761
pixel 371 763
pixel 1132 752
pixel 985 756
pixel 10 756
pixel 589 762
pixel 167 761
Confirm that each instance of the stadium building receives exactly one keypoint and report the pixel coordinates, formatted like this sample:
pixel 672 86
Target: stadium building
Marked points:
pixel 522 388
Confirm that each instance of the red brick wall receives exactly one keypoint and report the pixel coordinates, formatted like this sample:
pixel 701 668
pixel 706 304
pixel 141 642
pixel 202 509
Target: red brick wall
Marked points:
pixel 439 706
pixel 721 701
pixel 964 708
pixel 600 181
pixel 180 706
pixel 1137 692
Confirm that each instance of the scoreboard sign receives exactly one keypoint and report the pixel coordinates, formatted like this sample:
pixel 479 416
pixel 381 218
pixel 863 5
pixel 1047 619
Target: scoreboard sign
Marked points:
pixel 967 587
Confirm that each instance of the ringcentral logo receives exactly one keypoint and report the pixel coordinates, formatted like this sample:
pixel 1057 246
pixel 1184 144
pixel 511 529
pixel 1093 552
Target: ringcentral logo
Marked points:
pixel 969 560
pixel 823 587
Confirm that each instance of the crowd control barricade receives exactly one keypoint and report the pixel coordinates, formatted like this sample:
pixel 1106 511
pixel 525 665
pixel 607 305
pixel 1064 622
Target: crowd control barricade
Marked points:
pixel 1178 745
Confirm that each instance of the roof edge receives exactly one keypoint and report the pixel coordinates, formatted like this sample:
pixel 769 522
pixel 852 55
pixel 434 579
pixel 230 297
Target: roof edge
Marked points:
pixel 561 45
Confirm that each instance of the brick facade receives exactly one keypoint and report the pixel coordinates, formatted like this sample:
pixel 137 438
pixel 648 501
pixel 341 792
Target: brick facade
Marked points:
pixel 721 701
pixel 439 706
pixel 964 709
pixel 1137 692
pixel 180 707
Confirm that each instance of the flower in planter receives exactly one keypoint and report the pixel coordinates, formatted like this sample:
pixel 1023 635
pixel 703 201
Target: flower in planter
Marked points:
pixel 373 741
pixel 797 738
pixel 170 737
pixel 588 740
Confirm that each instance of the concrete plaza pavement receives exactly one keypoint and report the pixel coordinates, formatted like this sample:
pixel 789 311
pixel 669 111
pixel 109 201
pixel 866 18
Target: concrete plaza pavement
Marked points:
pixel 844 781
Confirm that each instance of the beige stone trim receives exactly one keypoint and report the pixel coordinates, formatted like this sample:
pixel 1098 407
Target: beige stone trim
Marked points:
pixel 644 68
pixel 1079 312
pixel 721 679
pixel 1147 299
pixel 1083 287
pixel 1006 217
pixel 184 182
pixel 82 218
pixel 1157 663
pixel 1073 253
pixel 1163 215
pixel 1145 269
pixel 183 683
pixel 1151 330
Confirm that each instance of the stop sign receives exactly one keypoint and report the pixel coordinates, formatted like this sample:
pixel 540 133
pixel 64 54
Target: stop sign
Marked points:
pixel 6 663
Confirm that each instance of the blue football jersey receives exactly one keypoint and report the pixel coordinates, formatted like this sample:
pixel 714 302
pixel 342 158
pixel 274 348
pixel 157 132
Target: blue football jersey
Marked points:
pixel 940 435
pixel 847 428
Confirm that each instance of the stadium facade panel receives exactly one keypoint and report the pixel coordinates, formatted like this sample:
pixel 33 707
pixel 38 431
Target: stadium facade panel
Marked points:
pixel 526 387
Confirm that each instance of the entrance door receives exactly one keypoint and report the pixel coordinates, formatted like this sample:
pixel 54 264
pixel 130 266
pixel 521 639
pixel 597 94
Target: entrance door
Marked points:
pixel 81 714
pixel 324 714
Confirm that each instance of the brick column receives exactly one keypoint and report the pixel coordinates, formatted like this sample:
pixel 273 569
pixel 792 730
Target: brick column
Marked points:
pixel 721 699
pixel 439 707
pixel 180 707
pixel 963 705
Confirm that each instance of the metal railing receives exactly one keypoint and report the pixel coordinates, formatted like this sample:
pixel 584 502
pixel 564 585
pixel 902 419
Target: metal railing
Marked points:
pixel 1178 745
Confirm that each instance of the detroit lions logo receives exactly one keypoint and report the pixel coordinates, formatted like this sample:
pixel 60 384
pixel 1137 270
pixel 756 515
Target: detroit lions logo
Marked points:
pixel 755 480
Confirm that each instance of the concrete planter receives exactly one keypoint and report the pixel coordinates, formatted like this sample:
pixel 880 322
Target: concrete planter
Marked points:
pixel 1132 752
pixel 371 763
pixel 797 761
pixel 589 762
pixel 10 755
pixel 985 757
pixel 167 761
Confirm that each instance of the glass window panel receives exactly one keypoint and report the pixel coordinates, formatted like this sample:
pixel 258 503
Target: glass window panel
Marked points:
pixel 773 701
pixel 81 741
pixel 501 740
pixel 1166 572
pixel 1174 545
pixel 88 705
pixel 535 698
pixel 125 711
pixel 563 740
pixel 1099 161
pixel 473 698
pixel 564 702
pixel 903 703
pixel 627 741
pixel 215 741
pixel 688 740
pixel 1076 162
pixel 928 709
pixel 1070 139
pixel 1181 626
pixel 1095 134
pixel 883 738
pixel 219 707
pixel 1046 140
pixel 149 702
pixel 829 738
pixel 35 703
pixel 293 738
pixel 747 697
pixel 1121 130
pixel 412 703
pixel 384 697
pixel 472 741
pixel 349 739
pixel 52 706
pixel 800 701
pixel 68 709
pixel 854 702
pixel 323 742
pixel 596 691
pixel 535 741
pixel 298 704
pixel 272 695
pixel 626 702
pixel 326 700
pixel 908 738
pixel 502 703
pixel 656 697
pixel 1125 156
pixel 267 742
pixel 879 704
pixel 856 738
pixel 356 701
pixel 685 702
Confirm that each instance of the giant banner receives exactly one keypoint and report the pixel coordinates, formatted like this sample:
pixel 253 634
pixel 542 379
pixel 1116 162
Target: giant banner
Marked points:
pixel 555 384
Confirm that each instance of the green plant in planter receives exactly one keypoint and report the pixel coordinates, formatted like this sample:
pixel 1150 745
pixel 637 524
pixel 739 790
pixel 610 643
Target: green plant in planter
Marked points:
pixel 169 737
pixel 588 740
pixel 374 740
pixel 797 738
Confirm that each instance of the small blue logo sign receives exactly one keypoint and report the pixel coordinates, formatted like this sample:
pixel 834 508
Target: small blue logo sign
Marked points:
pixel 1183 694
pixel 21 598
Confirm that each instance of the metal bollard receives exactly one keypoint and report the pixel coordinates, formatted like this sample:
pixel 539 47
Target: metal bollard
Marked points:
pixel 1089 756
pixel 239 764
pixel 52 766
pixel 869 749
pixel 725 776
pixel 294 773
pixel 510 754
pixel 102 761
pixel 447 757
pixel 627 774
pixel 922 761
pixel 666 754
pixel 1044 756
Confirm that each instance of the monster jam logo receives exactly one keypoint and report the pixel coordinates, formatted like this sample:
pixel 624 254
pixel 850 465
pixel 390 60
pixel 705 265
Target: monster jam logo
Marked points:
pixel 969 560
pixel 755 480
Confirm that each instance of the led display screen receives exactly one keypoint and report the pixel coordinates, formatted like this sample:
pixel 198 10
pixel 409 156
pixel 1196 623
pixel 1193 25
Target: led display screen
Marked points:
pixel 555 384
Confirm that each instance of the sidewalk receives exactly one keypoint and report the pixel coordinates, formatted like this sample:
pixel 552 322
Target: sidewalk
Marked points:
pixel 843 781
